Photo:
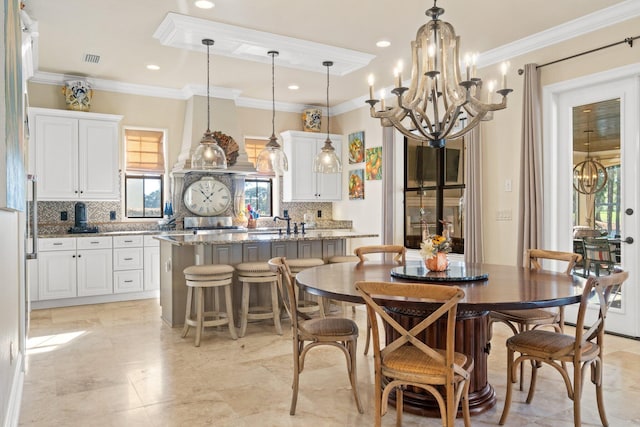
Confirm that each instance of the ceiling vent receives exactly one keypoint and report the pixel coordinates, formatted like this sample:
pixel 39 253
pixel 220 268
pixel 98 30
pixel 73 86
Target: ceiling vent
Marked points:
pixel 91 58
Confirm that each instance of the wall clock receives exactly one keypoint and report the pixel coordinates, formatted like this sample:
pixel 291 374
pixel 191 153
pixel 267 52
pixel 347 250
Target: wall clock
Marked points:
pixel 207 197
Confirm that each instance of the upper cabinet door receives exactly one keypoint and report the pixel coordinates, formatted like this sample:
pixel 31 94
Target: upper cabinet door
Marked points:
pixel 56 157
pixel 98 172
pixel 300 183
pixel 77 155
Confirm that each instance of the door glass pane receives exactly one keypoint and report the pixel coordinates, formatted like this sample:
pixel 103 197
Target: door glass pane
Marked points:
pixel 597 184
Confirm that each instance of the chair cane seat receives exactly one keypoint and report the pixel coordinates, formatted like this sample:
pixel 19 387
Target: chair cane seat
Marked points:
pixel 541 342
pixel 528 316
pixel 330 326
pixel 410 360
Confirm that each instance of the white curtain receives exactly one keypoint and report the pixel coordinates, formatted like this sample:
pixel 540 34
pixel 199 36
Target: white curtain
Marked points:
pixel 472 221
pixel 531 189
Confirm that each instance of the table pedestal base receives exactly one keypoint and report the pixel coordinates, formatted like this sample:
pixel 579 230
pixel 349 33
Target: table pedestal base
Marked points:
pixel 472 339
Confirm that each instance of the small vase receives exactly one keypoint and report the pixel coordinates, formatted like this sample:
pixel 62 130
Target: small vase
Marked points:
pixel 251 223
pixel 438 262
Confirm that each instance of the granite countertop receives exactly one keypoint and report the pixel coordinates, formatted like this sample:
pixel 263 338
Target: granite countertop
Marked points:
pixel 257 236
pixel 243 231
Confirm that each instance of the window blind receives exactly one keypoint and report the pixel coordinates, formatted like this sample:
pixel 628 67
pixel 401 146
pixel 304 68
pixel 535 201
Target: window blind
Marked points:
pixel 144 151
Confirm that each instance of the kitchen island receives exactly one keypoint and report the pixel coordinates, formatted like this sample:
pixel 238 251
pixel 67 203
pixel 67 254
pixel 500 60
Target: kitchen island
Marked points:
pixel 178 251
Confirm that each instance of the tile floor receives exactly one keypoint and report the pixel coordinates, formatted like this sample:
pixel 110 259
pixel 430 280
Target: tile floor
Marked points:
pixel 118 364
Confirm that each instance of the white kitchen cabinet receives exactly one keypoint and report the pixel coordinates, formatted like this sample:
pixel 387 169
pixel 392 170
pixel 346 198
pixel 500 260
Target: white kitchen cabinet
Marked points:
pixel 69 267
pixel 300 183
pixel 151 264
pixel 128 264
pixel 94 266
pixel 76 154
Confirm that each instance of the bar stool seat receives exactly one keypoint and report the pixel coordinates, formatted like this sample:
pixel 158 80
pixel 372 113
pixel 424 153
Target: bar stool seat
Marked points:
pixel 305 303
pixel 201 278
pixel 258 273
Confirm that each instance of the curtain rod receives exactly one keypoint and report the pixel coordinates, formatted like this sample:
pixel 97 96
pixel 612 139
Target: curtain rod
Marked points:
pixel 628 40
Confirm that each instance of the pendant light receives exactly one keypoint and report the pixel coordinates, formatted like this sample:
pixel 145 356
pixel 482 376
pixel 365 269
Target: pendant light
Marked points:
pixel 272 159
pixel 209 154
pixel 327 161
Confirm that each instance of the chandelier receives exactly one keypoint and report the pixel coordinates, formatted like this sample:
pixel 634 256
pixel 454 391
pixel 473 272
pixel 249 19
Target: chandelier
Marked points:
pixel 440 103
pixel 209 154
pixel 589 175
pixel 272 159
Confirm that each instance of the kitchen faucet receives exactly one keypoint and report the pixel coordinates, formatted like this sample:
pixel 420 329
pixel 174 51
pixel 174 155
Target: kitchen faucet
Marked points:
pixel 286 218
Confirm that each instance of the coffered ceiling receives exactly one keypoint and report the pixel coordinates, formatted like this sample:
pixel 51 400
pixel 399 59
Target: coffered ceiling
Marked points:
pixel 129 35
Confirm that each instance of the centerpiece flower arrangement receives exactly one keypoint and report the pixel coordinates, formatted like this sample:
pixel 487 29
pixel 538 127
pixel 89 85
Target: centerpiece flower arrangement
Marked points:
pixel 434 250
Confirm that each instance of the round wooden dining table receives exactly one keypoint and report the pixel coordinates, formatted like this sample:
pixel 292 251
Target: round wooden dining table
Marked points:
pixel 487 287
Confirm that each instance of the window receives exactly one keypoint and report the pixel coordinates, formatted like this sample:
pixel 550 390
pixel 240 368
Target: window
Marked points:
pixel 259 194
pixel 607 203
pixel 420 190
pixel 144 173
pixel 258 191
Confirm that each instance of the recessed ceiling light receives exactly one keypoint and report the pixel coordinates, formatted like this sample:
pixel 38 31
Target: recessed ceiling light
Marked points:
pixel 204 4
pixel 153 67
pixel 383 43
pixel 293 87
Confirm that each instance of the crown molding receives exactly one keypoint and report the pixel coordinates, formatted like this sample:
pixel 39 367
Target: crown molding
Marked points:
pixel 585 24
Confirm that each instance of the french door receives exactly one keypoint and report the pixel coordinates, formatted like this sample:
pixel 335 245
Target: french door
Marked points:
pixel 559 102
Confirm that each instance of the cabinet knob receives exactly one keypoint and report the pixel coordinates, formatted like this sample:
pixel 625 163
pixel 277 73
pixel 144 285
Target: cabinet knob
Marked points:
pixel 76 191
pixel 73 256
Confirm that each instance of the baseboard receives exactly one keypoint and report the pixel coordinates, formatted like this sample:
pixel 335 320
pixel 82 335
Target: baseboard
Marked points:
pixel 99 299
pixel 15 398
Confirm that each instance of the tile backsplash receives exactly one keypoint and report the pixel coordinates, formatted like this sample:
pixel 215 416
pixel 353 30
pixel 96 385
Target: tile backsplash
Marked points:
pixel 99 214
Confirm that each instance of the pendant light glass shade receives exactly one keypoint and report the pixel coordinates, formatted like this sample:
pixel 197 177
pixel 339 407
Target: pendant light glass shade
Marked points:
pixel 327 161
pixel 272 159
pixel 209 154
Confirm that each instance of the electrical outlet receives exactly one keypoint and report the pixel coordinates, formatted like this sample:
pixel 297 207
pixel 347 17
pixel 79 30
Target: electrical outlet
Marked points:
pixel 285 213
pixel 112 215
pixel 319 214
pixel 64 215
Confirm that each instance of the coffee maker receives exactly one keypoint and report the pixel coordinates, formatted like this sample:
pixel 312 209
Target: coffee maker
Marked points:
pixel 81 225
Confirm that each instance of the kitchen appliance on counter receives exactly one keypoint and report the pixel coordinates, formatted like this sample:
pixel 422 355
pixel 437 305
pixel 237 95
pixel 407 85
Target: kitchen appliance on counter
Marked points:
pixel 196 223
pixel 81 225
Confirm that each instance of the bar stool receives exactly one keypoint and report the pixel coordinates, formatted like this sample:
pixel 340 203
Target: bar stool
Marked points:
pixel 259 274
pixel 200 278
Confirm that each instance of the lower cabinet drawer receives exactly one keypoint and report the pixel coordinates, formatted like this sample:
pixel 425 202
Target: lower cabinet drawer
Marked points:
pixel 127 281
pixel 128 258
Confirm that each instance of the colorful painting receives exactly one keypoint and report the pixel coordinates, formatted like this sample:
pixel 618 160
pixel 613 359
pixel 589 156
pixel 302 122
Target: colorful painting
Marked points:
pixel 12 193
pixel 374 163
pixel 356 147
pixel 356 184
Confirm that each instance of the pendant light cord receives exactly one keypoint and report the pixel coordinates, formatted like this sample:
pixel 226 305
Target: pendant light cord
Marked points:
pixel 273 93
pixel 208 98
pixel 328 64
pixel 328 115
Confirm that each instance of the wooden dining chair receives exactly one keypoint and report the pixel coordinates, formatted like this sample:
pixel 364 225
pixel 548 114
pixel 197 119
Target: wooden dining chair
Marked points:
pixel 598 256
pixel 399 251
pixel 407 361
pixel 400 257
pixel 309 333
pixel 524 320
pixel 555 349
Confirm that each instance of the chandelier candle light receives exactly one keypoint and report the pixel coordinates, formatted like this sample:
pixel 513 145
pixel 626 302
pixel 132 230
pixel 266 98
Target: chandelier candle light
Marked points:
pixel 209 154
pixel 439 101
pixel 272 159
pixel 327 161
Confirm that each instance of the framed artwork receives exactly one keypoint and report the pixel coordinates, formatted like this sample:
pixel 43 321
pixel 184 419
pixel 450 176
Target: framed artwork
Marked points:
pixel 356 147
pixel 374 163
pixel 356 184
